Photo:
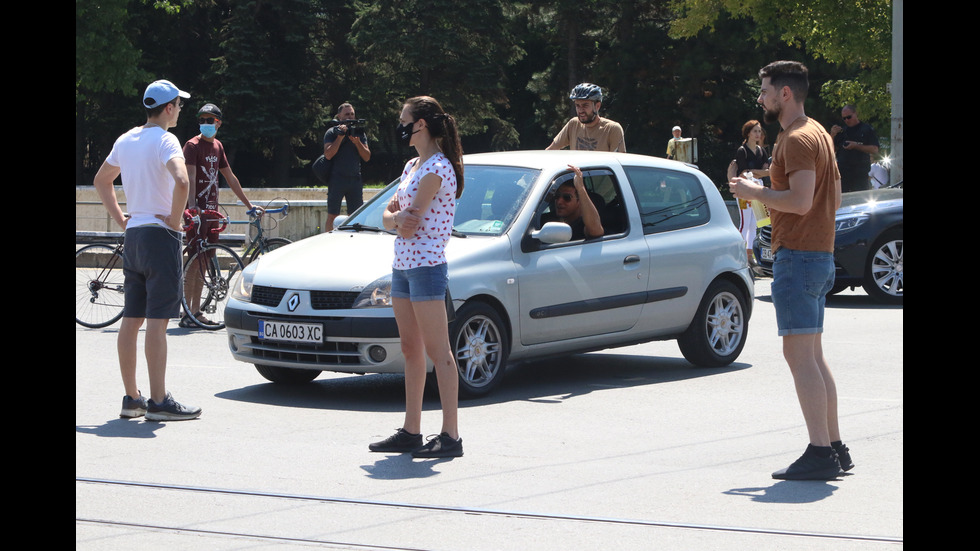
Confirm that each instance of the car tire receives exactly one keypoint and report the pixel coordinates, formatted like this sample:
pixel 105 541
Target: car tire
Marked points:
pixel 883 279
pixel 287 375
pixel 480 346
pixel 717 334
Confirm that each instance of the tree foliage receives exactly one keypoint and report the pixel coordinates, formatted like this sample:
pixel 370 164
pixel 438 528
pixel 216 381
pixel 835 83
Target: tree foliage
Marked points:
pixel 854 35
pixel 279 68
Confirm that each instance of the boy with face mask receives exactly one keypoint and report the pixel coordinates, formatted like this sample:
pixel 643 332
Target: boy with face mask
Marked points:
pixel 205 159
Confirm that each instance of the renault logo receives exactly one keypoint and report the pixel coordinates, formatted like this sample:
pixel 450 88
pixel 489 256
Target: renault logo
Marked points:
pixel 293 302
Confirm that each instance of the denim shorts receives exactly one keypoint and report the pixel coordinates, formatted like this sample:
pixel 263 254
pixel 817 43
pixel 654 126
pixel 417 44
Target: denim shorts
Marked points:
pixel 420 284
pixel 800 283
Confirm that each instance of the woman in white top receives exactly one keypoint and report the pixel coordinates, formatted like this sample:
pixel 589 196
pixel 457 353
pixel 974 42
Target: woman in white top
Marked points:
pixel 421 212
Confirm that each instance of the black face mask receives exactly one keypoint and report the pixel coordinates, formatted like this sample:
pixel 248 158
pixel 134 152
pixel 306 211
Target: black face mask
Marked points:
pixel 404 132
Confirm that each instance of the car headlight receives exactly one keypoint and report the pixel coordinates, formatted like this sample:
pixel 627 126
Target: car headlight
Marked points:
pixel 849 222
pixel 242 288
pixel 375 295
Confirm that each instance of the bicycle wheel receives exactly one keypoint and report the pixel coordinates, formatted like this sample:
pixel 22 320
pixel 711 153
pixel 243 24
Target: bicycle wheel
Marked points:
pixel 212 270
pixel 98 286
pixel 270 244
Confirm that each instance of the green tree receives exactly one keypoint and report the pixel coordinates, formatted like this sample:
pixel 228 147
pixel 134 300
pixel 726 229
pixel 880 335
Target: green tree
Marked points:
pixel 459 54
pixel 268 72
pixel 854 35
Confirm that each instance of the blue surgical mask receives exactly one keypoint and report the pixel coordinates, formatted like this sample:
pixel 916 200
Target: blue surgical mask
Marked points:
pixel 208 130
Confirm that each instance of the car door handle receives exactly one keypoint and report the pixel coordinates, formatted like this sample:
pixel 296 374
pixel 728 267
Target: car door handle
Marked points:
pixel 631 259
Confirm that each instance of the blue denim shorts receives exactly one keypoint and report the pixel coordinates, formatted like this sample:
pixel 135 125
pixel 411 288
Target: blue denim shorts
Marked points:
pixel 800 283
pixel 420 284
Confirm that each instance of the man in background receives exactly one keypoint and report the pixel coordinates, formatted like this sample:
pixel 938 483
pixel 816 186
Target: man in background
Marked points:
pixel 587 131
pixel 345 145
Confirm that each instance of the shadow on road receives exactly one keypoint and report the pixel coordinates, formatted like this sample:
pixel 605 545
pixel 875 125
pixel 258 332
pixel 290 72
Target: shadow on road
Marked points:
pixel 122 428
pixel 545 381
pixel 787 491
pixel 845 300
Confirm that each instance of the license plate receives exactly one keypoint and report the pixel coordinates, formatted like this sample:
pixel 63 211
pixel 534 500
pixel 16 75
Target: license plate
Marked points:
pixel 311 333
pixel 766 254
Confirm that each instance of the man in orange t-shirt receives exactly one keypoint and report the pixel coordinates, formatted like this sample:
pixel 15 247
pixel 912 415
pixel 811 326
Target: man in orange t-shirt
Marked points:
pixel 803 200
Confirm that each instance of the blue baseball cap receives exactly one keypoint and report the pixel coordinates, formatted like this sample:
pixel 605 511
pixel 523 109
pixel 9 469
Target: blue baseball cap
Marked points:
pixel 161 92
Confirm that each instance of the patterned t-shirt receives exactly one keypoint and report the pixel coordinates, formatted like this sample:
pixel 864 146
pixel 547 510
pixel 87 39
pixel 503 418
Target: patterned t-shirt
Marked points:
pixel 209 158
pixel 428 246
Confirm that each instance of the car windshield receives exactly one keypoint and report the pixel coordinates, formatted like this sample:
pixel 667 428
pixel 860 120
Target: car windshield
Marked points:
pixel 492 197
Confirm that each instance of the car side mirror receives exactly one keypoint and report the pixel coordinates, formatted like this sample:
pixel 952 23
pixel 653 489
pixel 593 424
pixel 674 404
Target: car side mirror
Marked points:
pixel 553 232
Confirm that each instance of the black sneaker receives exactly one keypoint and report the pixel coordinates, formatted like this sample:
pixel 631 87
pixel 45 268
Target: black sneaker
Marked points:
pixel 401 441
pixel 170 410
pixel 844 456
pixel 440 446
pixel 811 466
pixel 133 408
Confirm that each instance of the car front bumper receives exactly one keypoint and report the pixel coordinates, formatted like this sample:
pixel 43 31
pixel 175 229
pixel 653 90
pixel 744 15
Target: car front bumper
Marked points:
pixel 349 344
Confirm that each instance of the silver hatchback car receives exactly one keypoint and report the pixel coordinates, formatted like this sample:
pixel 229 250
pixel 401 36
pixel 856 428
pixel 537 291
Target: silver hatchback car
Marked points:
pixel 671 265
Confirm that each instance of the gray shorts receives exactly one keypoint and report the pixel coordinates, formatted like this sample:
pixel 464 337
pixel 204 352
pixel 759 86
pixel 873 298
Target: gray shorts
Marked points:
pixel 152 270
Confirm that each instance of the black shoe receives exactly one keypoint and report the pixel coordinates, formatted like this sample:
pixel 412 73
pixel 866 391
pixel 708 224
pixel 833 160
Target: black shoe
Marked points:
pixel 170 410
pixel 844 456
pixel 133 408
pixel 811 466
pixel 442 445
pixel 401 441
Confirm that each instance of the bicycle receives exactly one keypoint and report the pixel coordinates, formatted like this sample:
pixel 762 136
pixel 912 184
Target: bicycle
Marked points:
pixel 98 285
pixel 212 268
pixel 260 244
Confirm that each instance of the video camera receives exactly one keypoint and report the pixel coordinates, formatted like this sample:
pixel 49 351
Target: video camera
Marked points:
pixel 350 124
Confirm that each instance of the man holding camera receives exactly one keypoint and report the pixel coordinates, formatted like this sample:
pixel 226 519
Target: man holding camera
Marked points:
pixel 855 143
pixel 345 144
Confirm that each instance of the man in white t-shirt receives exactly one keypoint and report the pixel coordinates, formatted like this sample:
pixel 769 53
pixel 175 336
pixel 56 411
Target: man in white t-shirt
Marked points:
pixel 150 161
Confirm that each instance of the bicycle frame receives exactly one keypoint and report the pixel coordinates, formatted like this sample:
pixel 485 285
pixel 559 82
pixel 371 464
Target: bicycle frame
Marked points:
pixel 206 280
pixel 258 242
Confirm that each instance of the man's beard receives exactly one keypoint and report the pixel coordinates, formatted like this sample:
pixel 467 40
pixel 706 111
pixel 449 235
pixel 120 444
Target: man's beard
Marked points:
pixel 771 116
pixel 592 118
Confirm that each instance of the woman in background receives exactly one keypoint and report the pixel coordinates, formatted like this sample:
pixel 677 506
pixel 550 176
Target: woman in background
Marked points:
pixel 752 157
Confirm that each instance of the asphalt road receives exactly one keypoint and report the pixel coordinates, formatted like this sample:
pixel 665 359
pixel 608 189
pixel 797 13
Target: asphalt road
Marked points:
pixel 629 448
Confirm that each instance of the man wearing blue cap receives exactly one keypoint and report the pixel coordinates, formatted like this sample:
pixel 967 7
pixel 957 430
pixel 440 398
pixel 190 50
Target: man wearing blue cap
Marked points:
pixel 154 178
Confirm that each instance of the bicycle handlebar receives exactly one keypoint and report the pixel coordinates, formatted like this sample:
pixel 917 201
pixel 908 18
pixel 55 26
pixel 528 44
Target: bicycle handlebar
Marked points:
pixel 193 218
pixel 283 209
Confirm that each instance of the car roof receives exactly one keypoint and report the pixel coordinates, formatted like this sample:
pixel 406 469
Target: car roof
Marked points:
pixel 560 159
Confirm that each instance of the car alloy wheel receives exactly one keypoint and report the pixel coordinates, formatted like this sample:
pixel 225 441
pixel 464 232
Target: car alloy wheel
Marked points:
pixel 479 343
pixel 883 276
pixel 717 334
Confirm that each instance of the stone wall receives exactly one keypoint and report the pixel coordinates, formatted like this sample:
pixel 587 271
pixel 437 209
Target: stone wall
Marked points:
pixel 306 217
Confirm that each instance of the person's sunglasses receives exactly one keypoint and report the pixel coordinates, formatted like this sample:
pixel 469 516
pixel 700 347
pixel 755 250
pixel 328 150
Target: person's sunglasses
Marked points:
pixel 848 117
pixel 205 120
pixel 567 197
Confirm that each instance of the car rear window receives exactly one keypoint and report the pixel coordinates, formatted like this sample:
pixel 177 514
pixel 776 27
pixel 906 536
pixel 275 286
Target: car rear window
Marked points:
pixel 668 200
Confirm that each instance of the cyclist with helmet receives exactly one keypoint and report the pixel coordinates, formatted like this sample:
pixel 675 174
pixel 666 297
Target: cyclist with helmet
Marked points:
pixel 587 130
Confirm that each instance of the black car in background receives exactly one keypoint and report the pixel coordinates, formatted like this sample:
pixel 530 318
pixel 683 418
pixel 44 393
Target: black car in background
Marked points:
pixel 868 246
